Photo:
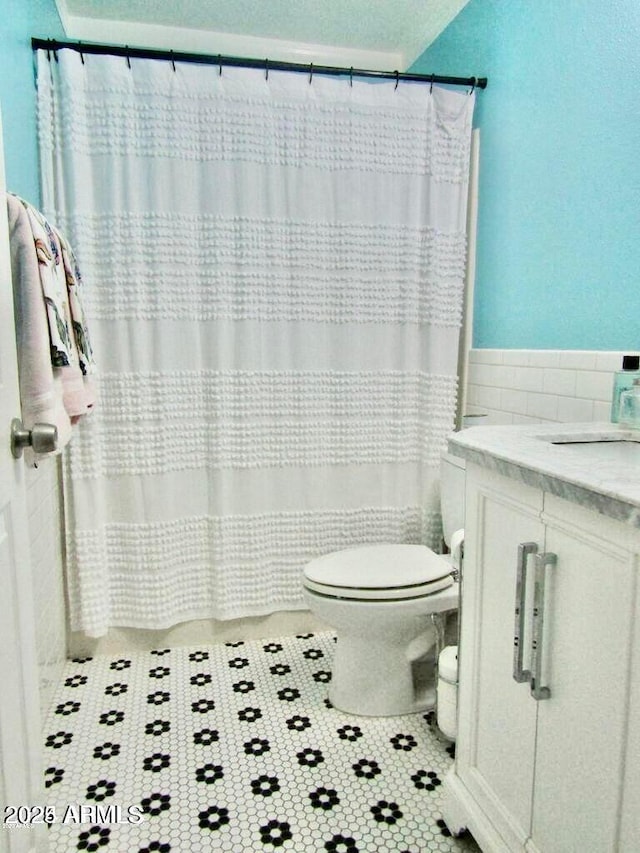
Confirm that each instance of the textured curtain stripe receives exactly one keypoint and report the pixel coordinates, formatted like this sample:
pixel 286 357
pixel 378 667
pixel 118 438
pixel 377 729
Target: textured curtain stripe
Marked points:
pixel 247 295
pixel 169 565
pixel 210 267
pixel 206 446
pixel 245 419
pixel 174 124
pixel 288 533
pixel 249 241
pixel 270 394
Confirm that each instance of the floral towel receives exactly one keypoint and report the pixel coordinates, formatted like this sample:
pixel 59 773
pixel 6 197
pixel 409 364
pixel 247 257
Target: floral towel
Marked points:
pixel 78 320
pixel 69 337
pixel 54 287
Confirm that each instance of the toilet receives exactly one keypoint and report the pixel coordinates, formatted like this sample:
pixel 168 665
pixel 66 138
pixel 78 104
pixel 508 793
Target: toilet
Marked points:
pixel 380 599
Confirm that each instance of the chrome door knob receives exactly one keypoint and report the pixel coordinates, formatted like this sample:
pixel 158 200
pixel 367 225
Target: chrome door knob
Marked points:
pixel 43 438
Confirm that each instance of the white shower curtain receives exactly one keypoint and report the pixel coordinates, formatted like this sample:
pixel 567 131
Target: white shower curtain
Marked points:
pixel 273 280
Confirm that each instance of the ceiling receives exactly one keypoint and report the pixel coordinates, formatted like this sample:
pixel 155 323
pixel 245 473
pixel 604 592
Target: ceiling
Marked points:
pixel 390 33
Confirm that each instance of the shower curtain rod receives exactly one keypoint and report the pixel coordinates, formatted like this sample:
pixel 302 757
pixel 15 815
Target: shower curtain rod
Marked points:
pixel 173 56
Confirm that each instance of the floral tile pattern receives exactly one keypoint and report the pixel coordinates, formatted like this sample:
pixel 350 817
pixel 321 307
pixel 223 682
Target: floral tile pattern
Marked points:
pixel 235 748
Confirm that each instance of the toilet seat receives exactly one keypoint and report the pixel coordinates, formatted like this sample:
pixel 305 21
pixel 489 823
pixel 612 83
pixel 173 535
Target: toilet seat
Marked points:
pixel 379 572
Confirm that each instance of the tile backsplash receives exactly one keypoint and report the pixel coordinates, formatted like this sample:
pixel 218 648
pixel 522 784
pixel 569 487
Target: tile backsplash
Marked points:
pixel 535 386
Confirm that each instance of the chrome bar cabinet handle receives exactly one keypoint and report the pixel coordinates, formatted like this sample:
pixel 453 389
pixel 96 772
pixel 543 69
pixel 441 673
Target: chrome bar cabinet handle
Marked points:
pixel 524 550
pixel 543 561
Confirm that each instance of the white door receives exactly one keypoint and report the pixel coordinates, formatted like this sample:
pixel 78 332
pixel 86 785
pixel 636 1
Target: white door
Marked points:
pixel 20 767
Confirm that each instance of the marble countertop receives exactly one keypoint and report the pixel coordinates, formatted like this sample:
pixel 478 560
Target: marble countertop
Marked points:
pixel 596 465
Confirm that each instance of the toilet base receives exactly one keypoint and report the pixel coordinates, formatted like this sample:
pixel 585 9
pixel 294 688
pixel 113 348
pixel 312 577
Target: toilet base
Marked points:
pixel 379 680
pixel 364 711
pixel 384 663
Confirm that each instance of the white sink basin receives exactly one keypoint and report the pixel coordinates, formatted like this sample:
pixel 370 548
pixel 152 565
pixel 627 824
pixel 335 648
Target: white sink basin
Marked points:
pixel 621 446
pixel 620 436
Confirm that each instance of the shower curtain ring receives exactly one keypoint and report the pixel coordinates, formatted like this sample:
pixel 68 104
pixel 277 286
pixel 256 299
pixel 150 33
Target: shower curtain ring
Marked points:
pixel 266 69
pixel 310 73
pixel 126 47
pixel 433 76
pixel 351 76
pixel 473 85
pixel 173 65
pixel 397 80
pixel 80 52
pixel 219 65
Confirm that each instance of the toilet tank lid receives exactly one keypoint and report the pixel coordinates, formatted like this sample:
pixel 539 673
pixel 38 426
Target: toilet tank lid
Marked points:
pixel 378 567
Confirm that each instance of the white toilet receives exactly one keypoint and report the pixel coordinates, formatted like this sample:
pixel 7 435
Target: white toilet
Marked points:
pixel 380 599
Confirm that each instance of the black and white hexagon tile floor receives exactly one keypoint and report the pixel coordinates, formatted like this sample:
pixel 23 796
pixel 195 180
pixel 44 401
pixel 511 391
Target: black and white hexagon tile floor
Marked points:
pixel 236 748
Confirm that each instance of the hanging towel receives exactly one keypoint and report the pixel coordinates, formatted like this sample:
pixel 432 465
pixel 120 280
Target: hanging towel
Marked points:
pixel 55 276
pixel 53 387
pixel 78 319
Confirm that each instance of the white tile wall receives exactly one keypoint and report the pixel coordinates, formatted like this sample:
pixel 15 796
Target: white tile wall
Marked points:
pixel 44 508
pixel 534 386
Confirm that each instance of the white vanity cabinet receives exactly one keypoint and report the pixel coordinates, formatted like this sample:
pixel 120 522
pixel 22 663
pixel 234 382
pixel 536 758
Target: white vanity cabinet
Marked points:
pixel 559 773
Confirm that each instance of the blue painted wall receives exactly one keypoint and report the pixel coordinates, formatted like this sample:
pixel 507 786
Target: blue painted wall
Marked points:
pixel 19 21
pixel 559 212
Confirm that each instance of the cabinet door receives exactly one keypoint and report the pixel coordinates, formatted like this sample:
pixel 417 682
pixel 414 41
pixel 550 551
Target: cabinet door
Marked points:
pixel 497 723
pixel 630 812
pixel 587 644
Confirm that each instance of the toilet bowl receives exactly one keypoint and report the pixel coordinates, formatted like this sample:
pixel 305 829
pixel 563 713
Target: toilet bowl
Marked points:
pixel 380 600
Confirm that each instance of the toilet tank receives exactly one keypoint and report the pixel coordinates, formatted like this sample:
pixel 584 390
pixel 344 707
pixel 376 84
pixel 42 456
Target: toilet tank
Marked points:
pixel 452 478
